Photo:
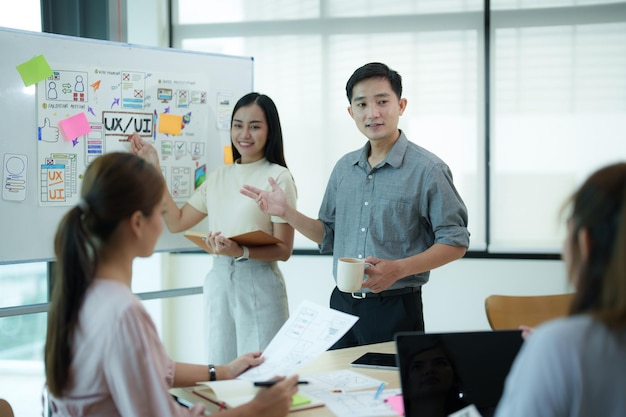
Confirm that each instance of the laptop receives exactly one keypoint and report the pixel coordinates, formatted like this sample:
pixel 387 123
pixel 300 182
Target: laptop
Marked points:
pixel 442 373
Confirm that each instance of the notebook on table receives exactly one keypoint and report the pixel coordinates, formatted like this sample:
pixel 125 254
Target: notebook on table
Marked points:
pixel 452 371
pixel 235 392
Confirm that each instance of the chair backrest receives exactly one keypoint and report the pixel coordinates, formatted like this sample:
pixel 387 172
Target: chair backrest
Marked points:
pixel 510 312
pixel 5 409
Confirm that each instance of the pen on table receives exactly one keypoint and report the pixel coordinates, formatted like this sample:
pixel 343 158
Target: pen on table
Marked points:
pixel 270 383
pixel 379 390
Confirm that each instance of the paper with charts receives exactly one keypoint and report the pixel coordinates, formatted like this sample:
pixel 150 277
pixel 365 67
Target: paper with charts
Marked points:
pixel 310 331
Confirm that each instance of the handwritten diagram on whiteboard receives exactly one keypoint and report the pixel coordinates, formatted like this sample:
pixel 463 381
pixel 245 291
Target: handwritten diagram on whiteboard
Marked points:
pixel 84 112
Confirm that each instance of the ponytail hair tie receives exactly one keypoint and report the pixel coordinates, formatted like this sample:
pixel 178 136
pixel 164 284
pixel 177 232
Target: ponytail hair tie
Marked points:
pixel 83 205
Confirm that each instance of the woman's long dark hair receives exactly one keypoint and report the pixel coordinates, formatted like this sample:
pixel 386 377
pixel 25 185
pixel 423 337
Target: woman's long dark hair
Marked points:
pixel 599 206
pixel 274 152
pixel 115 186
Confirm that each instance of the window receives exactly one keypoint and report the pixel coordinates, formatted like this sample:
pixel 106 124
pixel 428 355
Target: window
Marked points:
pixel 25 17
pixel 304 68
pixel 556 94
pixel 21 336
pixel 559 94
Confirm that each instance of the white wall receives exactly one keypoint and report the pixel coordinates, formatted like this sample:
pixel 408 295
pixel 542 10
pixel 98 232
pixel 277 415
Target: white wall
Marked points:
pixel 453 299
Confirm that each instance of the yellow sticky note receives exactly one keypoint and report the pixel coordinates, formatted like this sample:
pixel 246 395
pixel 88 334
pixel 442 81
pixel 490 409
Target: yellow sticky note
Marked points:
pixel 34 70
pixel 171 124
pixel 228 155
pixel 298 400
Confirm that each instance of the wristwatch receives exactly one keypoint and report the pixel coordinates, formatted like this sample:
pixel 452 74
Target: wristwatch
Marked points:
pixel 245 256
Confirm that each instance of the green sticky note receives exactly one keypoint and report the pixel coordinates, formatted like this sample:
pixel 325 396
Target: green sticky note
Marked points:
pixel 35 70
pixel 298 400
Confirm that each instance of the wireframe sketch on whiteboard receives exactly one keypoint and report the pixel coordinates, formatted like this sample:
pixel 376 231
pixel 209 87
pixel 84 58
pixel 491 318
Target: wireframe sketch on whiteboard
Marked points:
pixel 114 103
pixel 14 177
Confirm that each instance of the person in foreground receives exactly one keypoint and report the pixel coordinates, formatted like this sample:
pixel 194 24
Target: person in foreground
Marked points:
pixel 392 203
pixel 244 292
pixel 576 366
pixel 103 356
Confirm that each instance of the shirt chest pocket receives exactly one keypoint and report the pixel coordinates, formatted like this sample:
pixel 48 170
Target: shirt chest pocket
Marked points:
pixel 393 221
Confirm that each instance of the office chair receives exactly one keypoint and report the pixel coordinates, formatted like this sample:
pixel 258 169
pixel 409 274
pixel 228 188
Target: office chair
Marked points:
pixel 510 312
pixel 5 408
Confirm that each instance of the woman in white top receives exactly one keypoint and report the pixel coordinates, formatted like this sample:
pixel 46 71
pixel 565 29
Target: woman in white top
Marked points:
pixel 103 356
pixel 576 366
pixel 245 294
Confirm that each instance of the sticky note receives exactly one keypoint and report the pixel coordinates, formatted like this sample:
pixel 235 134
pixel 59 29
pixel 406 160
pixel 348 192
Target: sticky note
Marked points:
pixel 228 155
pixel 171 124
pixel 298 400
pixel 396 402
pixel 34 70
pixel 74 126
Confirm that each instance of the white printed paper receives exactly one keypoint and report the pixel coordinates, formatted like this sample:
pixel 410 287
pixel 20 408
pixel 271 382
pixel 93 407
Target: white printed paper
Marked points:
pixel 309 332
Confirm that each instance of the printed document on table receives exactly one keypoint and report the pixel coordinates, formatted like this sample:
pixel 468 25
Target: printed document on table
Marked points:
pixel 340 380
pixel 360 403
pixel 308 332
pixel 342 391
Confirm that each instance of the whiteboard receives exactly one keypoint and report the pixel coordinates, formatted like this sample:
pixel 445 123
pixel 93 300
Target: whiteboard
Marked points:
pixel 181 101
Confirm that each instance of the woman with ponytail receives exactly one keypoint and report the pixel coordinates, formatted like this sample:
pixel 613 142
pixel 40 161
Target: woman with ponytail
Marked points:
pixel 103 356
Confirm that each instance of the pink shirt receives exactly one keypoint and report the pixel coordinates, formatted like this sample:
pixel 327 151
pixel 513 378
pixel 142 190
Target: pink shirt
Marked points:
pixel 120 367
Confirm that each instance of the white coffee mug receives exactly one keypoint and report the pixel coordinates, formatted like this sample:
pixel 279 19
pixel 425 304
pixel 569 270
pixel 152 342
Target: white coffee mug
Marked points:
pixel 350 274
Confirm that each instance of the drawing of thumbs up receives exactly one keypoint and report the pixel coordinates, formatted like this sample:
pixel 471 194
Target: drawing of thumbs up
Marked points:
pixel 48 133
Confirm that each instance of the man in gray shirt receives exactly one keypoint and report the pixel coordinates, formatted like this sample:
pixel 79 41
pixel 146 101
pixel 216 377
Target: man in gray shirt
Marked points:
pixel 391 202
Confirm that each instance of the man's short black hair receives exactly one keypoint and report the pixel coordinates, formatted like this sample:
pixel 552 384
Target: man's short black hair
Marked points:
pixel 375 70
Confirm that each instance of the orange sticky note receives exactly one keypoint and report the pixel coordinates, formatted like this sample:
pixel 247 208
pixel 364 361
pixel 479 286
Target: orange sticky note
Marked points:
pixel 74 126
pixel 228 155
pixel 171 124
pixel 34 70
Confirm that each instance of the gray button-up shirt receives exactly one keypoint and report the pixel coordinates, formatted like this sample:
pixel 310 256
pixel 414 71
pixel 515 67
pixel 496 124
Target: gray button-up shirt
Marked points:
pixel 395 210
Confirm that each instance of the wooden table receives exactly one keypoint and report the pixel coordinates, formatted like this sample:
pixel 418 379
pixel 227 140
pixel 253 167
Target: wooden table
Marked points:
pixel 327 361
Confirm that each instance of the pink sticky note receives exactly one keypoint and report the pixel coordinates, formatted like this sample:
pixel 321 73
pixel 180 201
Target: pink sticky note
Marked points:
pixel 396 403
pixel 170 123
pixel 74 126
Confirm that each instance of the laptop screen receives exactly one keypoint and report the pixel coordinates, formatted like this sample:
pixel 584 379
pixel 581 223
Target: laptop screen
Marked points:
pixel 442 373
